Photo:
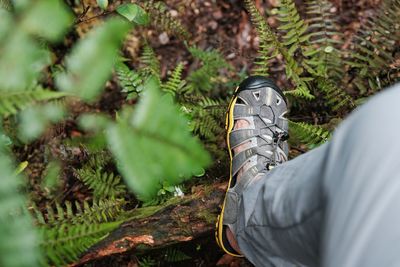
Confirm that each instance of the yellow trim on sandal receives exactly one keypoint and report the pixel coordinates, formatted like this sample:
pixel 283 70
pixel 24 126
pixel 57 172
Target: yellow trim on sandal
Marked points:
pixel 229 123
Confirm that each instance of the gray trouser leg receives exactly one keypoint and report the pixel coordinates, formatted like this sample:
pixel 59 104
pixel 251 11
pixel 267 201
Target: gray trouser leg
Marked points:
pixel 335 206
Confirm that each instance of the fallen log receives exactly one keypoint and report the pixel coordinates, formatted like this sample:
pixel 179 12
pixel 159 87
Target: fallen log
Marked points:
pixel 179 220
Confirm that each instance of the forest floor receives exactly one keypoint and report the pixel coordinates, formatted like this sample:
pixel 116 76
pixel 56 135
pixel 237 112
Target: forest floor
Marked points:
pixel 221 25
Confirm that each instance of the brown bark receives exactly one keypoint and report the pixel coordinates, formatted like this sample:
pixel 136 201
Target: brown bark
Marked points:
pixel 191 217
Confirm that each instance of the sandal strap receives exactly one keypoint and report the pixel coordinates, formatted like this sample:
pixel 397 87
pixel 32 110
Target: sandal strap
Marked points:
pixel 240 136
pixel 233 194
pixel 241 158
pixel 242 111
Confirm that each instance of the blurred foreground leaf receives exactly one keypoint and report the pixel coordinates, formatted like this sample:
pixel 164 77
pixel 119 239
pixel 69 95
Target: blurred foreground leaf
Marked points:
pixel 91 61
pixel 21 60
pixel 153 145
pixel 37 19
pixel 35 120
pixel 17 235
pixel 12 102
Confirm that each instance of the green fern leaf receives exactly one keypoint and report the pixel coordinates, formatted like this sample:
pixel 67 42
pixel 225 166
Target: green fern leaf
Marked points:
pixel 128 80
pixel 203 79
pixel 63 244
pixel 374 45
pixel 166 142
pixel 336 98
pixel 174 83
pixel 310 135
pixel 11 102
pixel 103 183
pixel 98 211
pixel 150 62
pixel 295 28
pixel 172 255
pixel 326 58
pixel 271 47
pixel 162 19
pixel 267 50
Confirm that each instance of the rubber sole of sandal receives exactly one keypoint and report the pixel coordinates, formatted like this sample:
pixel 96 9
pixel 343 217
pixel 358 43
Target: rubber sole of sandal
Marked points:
pixel 251 83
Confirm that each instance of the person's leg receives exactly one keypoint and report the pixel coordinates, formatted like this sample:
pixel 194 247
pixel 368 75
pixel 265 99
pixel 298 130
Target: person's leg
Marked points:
pixel 281 213
pixel 337 205
pixel 362 186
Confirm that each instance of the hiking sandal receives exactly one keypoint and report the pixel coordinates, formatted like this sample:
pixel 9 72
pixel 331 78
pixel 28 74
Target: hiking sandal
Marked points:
pixel 262 104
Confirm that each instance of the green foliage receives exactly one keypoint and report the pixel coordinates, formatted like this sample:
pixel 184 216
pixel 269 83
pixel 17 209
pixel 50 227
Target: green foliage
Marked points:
pixel 51 181
pixel 165 193
pixel 129 81
pixel 313 59
pixel 89 65
pixel 270 46
pixel 103 183
pixel 36 21
pixel 374 45
pixel 133 13
pixel 103 4
pixel 323 27
pixel 173 255
pixel 295 37
pixel 17 237
pixel 98 211
pixel 267 39
pixel 207 116
pixel 335 97
pixel 35 120
pixel 147 262
pixel 11 102
pixel 64 243
pixel 6 4
pixel 150 62
pixel 162 19
pixel 204 78
pixel 205 113
pixel 154 145
pixel 310 135
pixel 174 84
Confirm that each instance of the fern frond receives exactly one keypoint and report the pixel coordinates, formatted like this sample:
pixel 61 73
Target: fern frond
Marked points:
pixel 271 41
pixel 175 255
pixel 63 244
pixel 300 92
pixel 294 26
pixel 11 102
pixel 310 135
pixel 98 211
pixel 174 83
pixel 322 29
pixel 162 19
pixel 128 80
pixel 267 38
pixel 150 61
pixel 207 117
pixel 336 98
pixel 103 184
pixel 374 45
pixel 203 79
